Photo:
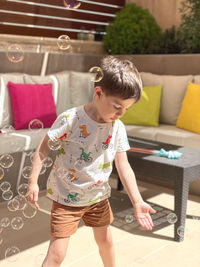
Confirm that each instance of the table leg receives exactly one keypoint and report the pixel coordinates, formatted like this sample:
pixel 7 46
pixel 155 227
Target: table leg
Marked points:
pixel 181 188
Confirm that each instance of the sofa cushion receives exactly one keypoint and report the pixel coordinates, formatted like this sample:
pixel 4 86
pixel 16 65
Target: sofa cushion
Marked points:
pixel 21 140
pixel 81 88
pixel 30 102
pixel 165 133
pixel 189 116
pixel 173 91
pixel 61 92
pixel 147 110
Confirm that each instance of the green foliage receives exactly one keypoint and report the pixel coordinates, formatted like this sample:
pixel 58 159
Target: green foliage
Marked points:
pixel 168 43
pixel 134 31
pixel 189 30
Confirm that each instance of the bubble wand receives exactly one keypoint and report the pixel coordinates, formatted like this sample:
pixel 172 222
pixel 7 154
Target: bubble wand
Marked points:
pixel 172 154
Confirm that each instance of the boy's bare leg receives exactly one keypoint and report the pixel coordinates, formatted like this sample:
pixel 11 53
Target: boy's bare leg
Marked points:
pixel 104 240
pixel 56 252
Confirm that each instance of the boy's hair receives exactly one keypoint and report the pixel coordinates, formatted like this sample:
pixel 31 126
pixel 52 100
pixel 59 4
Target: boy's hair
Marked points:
pixel 120 78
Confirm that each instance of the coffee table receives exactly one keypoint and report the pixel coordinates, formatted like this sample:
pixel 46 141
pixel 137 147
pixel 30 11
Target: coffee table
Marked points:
pixel 182 171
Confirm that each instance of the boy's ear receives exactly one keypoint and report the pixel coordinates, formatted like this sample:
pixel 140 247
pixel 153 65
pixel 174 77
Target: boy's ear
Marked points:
pixel 98 91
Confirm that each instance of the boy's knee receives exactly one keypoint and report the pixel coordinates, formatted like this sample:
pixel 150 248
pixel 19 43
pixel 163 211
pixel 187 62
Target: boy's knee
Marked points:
pixel 57 256
pixel 105 241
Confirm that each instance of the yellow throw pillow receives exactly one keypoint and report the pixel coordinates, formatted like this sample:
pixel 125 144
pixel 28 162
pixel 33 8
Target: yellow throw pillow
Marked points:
pixel 189 116
pixel 146 111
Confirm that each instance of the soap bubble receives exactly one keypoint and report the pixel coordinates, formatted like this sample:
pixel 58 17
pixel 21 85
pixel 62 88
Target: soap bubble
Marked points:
pixel 12 254
pixel 26 172
pixel 29 211
pixel 97 74
pixel 23 190
pixel 7 129
pixel 1 239
pixel 61 172
pixel 10 205
pixel 181 231
pixel 5 186
pixel 17 223
pixel 19 202
pixel 43 169
pixel 39 259
pixel 172 218
pixel 72 4
pixel 129 218
pixel 54 145
pixel 48 162
pixel 63 42
pixel 41 155
pixel 1 173
pixel 35 125
pixel 15 53
pixel 5 222
pixel 7 195
pixel 6 161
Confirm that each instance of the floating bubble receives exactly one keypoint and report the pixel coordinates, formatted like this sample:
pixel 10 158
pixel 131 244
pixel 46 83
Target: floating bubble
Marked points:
pixel 26 172
pixel 1 239
pixel 48 162
pixel 29 211
pixel 19 202
pixel 43 169
pixel 172 218
pixel 1 173
pixel 7 195
pixel 54 145
pixel 63 42
pixel 97 74
pixel 61 172
pixel 5 186
pixel 15 53
pixel 12 254
pixel 23 190
pixel 129 218
pixel 41 155
pixel 39 259
pixel 17 223
pixel 7 129
pixel 35 125
pixel 72 4
pixel 10 205
pixel 181 231
pixel 6 161
pixel 5 222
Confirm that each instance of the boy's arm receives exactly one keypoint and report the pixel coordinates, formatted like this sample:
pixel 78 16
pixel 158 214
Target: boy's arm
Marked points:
pixel 42 149
pixel 127 177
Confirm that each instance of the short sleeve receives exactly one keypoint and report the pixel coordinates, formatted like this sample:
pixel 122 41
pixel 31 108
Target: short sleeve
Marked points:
pixel 59 128
pixel 122 140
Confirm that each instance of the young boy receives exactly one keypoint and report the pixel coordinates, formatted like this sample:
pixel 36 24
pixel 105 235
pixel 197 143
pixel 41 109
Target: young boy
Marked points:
pixel 91 137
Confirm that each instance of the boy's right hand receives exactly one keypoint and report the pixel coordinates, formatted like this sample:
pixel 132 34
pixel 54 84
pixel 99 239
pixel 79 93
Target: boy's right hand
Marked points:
pixel 33 194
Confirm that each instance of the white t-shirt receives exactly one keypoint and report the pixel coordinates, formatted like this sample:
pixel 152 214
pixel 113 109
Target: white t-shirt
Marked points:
pixel 80 174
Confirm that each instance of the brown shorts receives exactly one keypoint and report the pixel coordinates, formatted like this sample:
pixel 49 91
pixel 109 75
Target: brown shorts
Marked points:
pixel 65 219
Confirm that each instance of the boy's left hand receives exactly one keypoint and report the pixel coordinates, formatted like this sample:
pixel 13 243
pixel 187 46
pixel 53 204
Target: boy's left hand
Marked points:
pixel 141 211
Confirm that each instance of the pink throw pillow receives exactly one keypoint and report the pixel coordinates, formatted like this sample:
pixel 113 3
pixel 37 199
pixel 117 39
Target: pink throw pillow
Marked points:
pixel 32 101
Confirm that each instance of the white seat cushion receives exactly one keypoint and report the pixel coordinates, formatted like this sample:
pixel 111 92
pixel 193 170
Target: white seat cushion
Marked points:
pixel 165 133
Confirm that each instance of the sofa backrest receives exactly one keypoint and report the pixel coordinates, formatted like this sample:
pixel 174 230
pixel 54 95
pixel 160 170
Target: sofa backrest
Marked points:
pixel 173 92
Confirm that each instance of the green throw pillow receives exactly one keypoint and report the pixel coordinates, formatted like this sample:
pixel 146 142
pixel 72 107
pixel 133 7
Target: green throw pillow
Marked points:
pixel 146 111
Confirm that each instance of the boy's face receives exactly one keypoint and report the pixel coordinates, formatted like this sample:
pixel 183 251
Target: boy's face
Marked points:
pixel 111 108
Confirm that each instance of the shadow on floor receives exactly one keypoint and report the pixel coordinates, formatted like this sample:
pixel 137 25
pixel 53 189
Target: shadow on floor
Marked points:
pixel 122 207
